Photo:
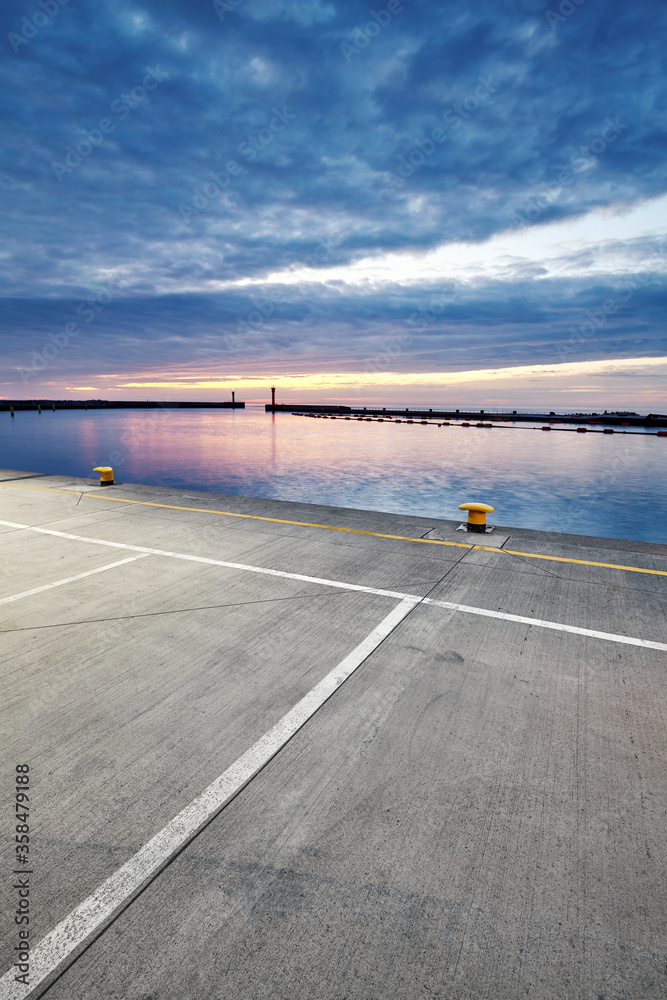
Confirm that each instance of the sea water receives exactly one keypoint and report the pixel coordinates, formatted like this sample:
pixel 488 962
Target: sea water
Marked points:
pixel 609 485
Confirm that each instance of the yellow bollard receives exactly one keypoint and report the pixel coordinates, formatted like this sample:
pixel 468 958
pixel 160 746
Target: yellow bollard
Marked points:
pixel 106 475
pixel 476 515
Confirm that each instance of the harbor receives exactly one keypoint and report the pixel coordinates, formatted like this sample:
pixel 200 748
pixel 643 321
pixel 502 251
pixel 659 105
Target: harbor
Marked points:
pixel 619 419
pixel 274 742
pixel 489 417
pixel 592 483
pixel 333 502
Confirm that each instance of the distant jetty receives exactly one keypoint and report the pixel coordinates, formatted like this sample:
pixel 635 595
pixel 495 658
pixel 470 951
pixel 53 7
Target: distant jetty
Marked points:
pixel 615 418
pixel 113 404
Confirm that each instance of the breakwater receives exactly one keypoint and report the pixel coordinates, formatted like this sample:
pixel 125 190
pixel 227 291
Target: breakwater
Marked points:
pixel 615 418
pixel 114 404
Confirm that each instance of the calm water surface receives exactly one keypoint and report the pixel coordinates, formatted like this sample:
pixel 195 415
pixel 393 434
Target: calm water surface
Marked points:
pixel 613 486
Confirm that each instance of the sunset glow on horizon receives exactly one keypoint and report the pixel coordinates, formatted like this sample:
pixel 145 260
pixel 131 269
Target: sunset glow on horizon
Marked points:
pixel 635 382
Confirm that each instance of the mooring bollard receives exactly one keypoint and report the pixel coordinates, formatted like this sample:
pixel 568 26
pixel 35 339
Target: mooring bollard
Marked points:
pixel 106 474
pixel 476 515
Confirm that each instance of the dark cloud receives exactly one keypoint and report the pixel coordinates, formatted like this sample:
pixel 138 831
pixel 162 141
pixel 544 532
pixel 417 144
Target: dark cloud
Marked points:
pixel 149 144
pixel 445 326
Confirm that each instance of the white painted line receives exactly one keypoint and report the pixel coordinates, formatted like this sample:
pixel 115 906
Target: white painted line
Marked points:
pixel 541 623
pixel 70 579
pixel 117 891
pixel 609 636
pixel 217 562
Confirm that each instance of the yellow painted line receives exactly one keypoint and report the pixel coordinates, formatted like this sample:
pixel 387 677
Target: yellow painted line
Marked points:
pixel 352 531
pixel 579 562
pixel 252 517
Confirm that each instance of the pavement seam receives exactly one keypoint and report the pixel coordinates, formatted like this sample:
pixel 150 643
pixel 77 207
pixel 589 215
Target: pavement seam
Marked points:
pixel 357 531
pixel 71 937
pixel 178 611
pixel 358 588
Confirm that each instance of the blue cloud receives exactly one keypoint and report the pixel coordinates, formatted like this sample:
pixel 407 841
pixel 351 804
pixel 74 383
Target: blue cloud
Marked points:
pixel 151 144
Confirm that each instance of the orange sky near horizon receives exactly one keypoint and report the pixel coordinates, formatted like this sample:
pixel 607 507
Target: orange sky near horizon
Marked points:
pixel 628 382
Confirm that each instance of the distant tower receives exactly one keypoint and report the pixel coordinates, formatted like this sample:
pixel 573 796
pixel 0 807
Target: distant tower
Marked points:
pixel 273 397
pixel 233 395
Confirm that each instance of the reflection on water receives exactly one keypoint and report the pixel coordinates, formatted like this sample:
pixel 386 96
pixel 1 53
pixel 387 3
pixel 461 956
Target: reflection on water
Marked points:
pixel 609 485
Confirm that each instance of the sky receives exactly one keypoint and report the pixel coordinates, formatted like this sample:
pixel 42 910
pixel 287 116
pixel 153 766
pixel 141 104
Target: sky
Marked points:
pixel 412 202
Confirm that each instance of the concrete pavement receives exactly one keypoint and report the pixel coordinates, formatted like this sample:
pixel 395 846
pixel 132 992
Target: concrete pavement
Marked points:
pixel 477 811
